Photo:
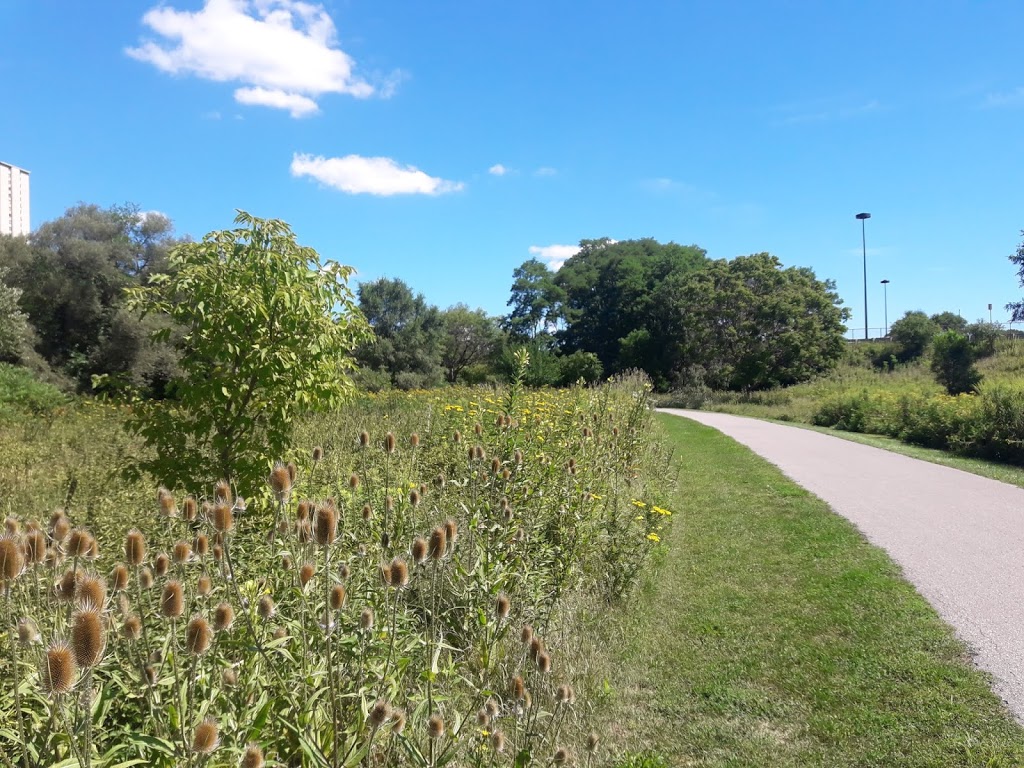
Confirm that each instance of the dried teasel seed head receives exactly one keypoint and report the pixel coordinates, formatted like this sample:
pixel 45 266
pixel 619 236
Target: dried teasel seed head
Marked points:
pixel 145 578
pixel 293 471
pixel 65 587
pixel 218 552
pixel 337 599
pixel 222 492
pixel 389 503
pixel 60 527
pixel 366 619
pixel 561 756
pixel 94 549
pixel 204 585
pixel 11 526
pixel 172 600
pixel 536 647
pixel 343 571
pixel 253 757
pixel 229 677
pixel 389 442
pixel 325 523
pixel 318 454
pixel 478 429
pixel 495 466
pixel 87 636
pixel 35 546
pixel 364 439
pixel 119 578
pixel 286 562
pixel 223 617
pixel 414 497
pixel 161 564
pixel 132 628
pixel 399 721
pixel 279 633
pixel 399 572
pixel 353 481
pixel 367 512
pixel 518 456
pixel 471 453
pixel 564 694
pixel 281 481
pixel 438 545
pixel 518 688
pixel 384 571
pixel 544 662
pixel 435 727
pixel 28 632
pixel 491 707
pixel 303 510
pixel 198 635
pixel 134 548
pixel 526 635
pixel 167 506
pixel 592 741
pixel 419 550
pixel 91 591
pixel 498 741
pixel 451 532
pixel 12 558
pixel 479 453
pixel 304 531
pixel 205 738
pixel 506 474
pixel 457 437
pixel 266 609
pixel 379 714
pixel 306 573
pixel 201 545
pixel 189 508
pixel 58 672
pixel 79 543
pixel 502 606
pixel 223 517
pixel 182 552
pixel 482 718
pixel 151 674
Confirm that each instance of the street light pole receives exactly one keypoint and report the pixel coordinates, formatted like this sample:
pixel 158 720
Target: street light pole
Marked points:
pixel 885 291
pixel 864 246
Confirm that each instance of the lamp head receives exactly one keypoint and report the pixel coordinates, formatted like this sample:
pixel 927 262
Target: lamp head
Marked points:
pixel 863 216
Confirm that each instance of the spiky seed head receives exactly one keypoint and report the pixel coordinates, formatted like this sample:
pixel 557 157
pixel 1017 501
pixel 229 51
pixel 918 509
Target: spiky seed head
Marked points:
pixel 167 506
pixel 189 508
pixel 302 511
pixel 11 526
pixel 60 527
pixel 119 578
pixel 281 481
pixel 222 492
pixel 379 714
pixel 151 674
pixel 399 721
pixel 389 503
pixel 399 573
pixel 536 647
pixel 172 600
pixel 161 564
pixel 518 688
pixel 366 618
pixel 134 548
pixel 35 546
pixel 325 523
pixel 518 456
pixel 87 636
pixel 451 532
pixel 526 635
pixel 218 552
pixel 12 558
pixel 201 545
pixel 482 718
pixel 495 466
pixel 204 586
pixel 544 662
pixel 367 512
pixel 132 628
pixel 205 738
pixel 124 604
pixel 457 437
pixel 491 707
pixel 229 677
pixel 65 586
pixel 506 474
pixel 438 543
pixel 592 741
pixel 502 606
pixel 527 700
pixel 182 552
pixel 266 608
pixel 384 571
pixel 471 453
pixel 389 442
pixel 223 517
pixel 286 563
pixel 304 531
pixel 253 757
pixel 435 727
pixel 364 439
pixel 498 741
pixel 79 543
pixel 223 617
pixel 293 471
pixel 561 756
pixel 414 497
pixel 145 578
pixel 28 632
pixel 563 694
pixel 91 591
pixel 279 633
pixel 423 489
pixel 498 422
pixel 57 675
pixel 337 597
pixel 478 428
pixel 318 454
pixel 419 550
pixel 343 571
pixel 94 549
pixel 306 573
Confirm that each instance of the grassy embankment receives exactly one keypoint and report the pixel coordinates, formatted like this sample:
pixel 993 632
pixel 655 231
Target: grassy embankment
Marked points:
pixel 774 634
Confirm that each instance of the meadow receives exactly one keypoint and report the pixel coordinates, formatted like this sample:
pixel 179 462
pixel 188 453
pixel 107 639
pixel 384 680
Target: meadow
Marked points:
pixel 413 585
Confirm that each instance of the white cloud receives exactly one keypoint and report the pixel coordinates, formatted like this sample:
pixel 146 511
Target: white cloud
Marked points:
pixel 297 104
pixel 554 255
pixel 497 170
pixel 1005 98
pixel 545 171
pixel 370 175
pixel 284 52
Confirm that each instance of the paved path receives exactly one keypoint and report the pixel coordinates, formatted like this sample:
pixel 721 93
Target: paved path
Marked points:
pixel 958 537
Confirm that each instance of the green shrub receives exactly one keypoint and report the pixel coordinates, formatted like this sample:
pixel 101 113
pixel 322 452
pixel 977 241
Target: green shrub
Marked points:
pixel 20 390
pixel 953 363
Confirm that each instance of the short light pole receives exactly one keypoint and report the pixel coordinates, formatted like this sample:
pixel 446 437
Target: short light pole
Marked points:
pixel 885 292
pixel 864 245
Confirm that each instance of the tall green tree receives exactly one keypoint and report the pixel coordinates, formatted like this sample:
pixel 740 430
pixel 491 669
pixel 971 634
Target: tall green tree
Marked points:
pixel 610 293
pixel 1016 308
pixel 953 362
pixel 536 301
pixel 14 328
pixel 912 334
pixel 750 324
pixel 471 338
pixel 268 333
pixel 409 334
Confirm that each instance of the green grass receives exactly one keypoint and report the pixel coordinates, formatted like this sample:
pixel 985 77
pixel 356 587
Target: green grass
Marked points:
pixel 774 634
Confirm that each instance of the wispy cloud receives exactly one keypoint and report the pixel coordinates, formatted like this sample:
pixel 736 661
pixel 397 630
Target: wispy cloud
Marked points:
pixel 380 176
pixel 554 255
pixel 283 52
pixel 825 111
pixel 545 170
pixel 1014 98
pixel 497 170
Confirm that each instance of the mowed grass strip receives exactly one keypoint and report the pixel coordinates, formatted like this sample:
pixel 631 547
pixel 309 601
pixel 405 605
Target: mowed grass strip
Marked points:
pixel 773 634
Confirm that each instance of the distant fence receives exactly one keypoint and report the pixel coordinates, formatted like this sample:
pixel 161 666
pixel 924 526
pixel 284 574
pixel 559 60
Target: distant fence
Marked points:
pixel 880 333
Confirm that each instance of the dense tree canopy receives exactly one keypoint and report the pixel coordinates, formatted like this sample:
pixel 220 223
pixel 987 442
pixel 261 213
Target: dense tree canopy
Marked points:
pixel 471 338
pixel 1017 259
pixel 536 301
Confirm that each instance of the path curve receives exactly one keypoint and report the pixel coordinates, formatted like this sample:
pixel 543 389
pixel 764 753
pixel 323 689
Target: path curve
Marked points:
pixel 958 537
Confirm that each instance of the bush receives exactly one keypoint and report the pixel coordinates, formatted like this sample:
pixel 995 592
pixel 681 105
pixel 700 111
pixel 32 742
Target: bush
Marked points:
pixel 953 363
pixel 579 365
pixel 22 391
pixel 912 334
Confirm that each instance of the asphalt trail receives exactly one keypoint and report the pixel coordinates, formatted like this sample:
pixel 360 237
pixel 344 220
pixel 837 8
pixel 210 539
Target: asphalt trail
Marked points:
pixel 958 537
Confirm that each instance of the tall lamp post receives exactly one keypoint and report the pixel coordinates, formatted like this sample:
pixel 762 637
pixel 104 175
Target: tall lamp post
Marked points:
pixel 885 290
pixel 864 245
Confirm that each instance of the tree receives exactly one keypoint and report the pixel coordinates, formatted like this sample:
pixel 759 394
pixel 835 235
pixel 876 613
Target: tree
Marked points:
pixel 949 321
pixel 953 362
pixel 912 334
pixel 536 300
pixel 750 324
pixel 610 293
pixel 1016 308
pixel 471 338
pixel 14 328
pixel 268 334
pixel 408 334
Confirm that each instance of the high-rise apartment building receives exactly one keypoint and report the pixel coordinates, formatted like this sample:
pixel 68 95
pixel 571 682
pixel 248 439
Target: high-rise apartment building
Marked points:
pixel 13 200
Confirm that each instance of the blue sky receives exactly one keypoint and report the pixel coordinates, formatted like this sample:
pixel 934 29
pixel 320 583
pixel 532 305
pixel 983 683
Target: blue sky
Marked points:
pixel 738 126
